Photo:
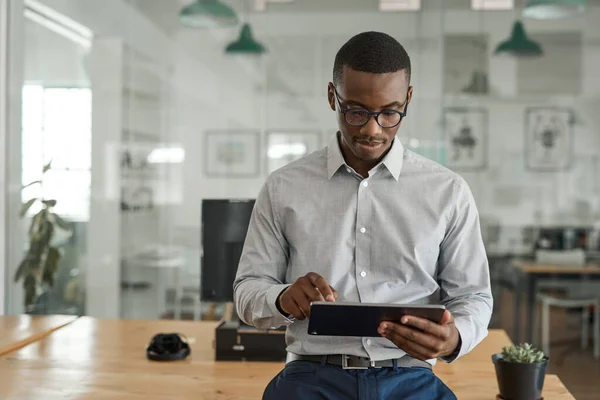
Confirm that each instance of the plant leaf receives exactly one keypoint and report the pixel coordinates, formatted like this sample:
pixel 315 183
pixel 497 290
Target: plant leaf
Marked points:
pixel 26 206
pixel 49 203
pixel 30 184
pixel 36 222
pixel 61 222
pixel 47 167
pixel 30 288
pixel 51 265
pixel 23 267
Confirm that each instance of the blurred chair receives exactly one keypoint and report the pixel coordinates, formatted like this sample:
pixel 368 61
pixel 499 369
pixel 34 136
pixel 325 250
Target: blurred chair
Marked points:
pixel 574 299
pixel 585 304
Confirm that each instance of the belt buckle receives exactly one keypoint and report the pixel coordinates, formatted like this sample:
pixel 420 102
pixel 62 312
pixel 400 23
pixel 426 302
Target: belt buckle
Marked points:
pixel 345 365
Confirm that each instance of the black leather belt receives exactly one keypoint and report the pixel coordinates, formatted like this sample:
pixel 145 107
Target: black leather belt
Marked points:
pixel 355 362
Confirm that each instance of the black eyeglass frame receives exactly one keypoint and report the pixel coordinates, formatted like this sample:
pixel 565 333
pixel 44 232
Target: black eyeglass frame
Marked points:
pixel 371 113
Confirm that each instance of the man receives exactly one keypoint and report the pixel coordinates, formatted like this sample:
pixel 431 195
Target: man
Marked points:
pixel 366 220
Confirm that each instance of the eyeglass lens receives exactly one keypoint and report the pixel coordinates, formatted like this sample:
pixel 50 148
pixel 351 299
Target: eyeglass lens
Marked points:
pixel 359 117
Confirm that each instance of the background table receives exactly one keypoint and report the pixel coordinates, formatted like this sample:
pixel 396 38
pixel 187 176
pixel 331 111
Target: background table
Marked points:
pixel 105 359
pixel 530 273
pixel 17 331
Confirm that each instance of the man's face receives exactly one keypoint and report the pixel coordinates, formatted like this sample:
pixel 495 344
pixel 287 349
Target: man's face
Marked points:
pixel 372 92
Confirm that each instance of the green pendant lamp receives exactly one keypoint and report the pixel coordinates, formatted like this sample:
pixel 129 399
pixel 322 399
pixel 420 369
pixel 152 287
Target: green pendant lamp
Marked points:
pixel 208 14
pixel 519 44
pixel 245 43
pixel 553 9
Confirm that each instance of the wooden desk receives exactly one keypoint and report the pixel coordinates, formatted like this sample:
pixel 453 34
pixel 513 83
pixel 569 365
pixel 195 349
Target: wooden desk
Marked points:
pixel 105 359
pixel 530 274
pixel 533 268
pixel 17 331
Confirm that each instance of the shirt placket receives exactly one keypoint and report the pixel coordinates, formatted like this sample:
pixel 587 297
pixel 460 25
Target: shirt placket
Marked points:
pixel 363 248
pixel 363 234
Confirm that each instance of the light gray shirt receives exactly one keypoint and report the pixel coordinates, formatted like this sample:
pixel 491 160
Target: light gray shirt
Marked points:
pixel 409 233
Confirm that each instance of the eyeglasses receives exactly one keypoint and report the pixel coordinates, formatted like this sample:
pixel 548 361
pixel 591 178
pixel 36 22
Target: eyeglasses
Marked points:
pixel 360 116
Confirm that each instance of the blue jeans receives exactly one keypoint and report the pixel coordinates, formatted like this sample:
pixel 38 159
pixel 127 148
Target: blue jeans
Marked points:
pixel 306 380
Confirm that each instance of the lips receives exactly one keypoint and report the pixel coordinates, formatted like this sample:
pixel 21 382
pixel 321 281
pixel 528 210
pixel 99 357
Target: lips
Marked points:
pixel 369 145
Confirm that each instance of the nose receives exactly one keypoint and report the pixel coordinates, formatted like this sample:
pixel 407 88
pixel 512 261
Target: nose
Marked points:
pixel 371 128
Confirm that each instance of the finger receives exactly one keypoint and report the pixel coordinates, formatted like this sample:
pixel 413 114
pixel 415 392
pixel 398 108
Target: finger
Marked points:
pixel 310 291
pixel 294 302
pixel 321 284
pixel 304 304
pixel 410 335
pixel 335 293
pixel 289 306
pixel 447 318
pixel 415 348
pixel 419 352
pixel 425 325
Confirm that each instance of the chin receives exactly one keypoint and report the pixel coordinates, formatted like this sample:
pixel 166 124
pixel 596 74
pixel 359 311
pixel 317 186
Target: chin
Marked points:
pixel 370 153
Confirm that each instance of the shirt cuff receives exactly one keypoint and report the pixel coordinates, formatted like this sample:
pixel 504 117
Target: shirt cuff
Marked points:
pixel 464 341
pixel 278 318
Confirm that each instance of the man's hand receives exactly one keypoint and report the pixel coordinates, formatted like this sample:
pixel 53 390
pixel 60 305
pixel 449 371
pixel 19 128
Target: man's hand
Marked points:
pixel 432 341
pixel 296 299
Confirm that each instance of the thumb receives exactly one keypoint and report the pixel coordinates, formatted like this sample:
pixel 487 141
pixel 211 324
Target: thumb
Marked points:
pixel 447 318
pixel 335 293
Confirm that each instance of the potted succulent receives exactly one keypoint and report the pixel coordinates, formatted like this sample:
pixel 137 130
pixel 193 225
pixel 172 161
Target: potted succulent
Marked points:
pixel 520 371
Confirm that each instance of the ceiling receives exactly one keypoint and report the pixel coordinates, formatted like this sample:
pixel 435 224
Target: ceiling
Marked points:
pixel 164 12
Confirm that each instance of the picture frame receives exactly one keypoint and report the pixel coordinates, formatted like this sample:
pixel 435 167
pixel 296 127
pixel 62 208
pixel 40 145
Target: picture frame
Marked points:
pixel 466 138
pixel 284 147
pixel 232 154
pixel 548 138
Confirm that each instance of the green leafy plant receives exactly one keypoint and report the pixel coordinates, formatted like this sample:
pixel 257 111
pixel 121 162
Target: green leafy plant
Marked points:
pixel 522 353
pixel 40 263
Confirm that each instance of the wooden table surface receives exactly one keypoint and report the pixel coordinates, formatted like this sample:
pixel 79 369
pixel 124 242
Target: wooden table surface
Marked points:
pixel 105 359
pixel 532 267
pixel 17 331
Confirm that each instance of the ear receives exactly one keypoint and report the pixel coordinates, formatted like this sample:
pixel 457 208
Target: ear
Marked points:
pixel 409 94
pixel 331 96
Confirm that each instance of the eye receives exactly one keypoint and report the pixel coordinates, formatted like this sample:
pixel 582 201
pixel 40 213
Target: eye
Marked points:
pixel 357 112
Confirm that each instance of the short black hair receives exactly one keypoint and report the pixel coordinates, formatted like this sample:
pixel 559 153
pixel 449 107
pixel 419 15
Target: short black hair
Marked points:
pixel 373 52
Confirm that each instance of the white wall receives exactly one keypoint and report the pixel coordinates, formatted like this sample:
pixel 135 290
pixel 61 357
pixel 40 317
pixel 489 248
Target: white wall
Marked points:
pixel 3 141
pixel 12 156
pixel 53 60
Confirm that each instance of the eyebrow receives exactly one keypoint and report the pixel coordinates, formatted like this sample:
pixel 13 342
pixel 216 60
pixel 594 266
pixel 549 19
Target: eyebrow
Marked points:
pixel 393 104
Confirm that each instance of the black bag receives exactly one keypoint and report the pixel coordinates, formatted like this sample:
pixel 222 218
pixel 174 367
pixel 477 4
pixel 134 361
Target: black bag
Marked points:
pixel 167 347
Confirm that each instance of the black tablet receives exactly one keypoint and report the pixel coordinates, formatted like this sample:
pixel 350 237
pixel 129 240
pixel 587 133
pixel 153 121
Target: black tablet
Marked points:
pixel 363 319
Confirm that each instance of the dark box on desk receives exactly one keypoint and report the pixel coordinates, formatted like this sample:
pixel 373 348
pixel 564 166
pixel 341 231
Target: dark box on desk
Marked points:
pixel 239 342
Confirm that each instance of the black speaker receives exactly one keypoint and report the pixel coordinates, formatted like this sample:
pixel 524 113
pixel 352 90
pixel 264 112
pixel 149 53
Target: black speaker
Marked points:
pixel 224 228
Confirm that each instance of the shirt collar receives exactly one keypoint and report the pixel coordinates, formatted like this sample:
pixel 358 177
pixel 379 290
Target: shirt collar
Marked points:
pixel 393 160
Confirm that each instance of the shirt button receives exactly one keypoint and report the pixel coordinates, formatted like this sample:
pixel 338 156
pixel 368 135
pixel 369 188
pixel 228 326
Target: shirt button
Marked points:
pixel 362 230
pixel 363 274
pixel 369 342
pixel 365 184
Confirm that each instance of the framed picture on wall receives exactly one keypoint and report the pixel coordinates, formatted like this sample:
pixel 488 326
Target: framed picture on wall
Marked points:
pixel 232 154
pixel 548 138
pixel 466 137
pixel 283 147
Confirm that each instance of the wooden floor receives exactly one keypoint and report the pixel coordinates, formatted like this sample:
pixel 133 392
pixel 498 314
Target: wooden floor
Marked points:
pixel 577 368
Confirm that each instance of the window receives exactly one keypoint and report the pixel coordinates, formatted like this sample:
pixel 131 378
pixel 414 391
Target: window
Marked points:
pixel 492 5
pixel 399 5
pixel 57 127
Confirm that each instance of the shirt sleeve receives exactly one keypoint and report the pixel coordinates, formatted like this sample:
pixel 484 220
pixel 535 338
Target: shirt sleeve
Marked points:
pixel 261 272
pixel 464 274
